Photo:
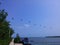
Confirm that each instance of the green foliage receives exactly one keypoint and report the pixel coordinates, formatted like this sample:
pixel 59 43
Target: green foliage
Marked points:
pixel 17 39
pixel 5 30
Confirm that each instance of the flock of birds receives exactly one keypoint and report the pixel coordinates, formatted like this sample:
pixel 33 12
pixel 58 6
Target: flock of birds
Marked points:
pixel 29 22
pixel 1 1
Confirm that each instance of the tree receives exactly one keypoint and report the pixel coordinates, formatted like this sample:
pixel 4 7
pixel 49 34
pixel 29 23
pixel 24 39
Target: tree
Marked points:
pixel 5 30
pixel 17 39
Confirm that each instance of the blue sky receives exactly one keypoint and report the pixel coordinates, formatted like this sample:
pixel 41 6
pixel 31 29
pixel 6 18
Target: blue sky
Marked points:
pixel 39 17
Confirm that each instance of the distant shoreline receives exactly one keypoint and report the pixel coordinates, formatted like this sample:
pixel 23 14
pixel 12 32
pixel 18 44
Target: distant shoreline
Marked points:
pixel 52 37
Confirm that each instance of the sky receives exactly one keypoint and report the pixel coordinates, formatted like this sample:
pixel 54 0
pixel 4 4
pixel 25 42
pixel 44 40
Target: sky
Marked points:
pixel 33 18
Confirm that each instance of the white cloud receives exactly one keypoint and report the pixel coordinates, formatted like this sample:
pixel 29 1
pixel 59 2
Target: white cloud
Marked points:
pixel 26 25
pixel 22 26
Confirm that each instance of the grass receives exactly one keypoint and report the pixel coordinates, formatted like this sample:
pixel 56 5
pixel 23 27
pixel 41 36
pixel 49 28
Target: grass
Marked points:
pixel 4 42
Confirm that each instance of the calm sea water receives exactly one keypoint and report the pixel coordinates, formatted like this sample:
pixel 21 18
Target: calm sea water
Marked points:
pixel 44 41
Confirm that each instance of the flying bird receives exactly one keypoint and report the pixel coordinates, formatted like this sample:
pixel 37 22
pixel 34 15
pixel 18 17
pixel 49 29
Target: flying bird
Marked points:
pixel 21 19
pixel 29 21
pixel 35 24
pixel 40 25
pixel 44 26
pixel 12 18
pixel 0 3
pixel 50 27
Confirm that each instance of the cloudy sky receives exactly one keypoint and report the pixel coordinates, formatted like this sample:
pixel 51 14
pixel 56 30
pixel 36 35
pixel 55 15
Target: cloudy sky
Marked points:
pixel 33 18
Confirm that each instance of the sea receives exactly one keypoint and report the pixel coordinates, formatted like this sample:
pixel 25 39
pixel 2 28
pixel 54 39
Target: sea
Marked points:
pixel 44 41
